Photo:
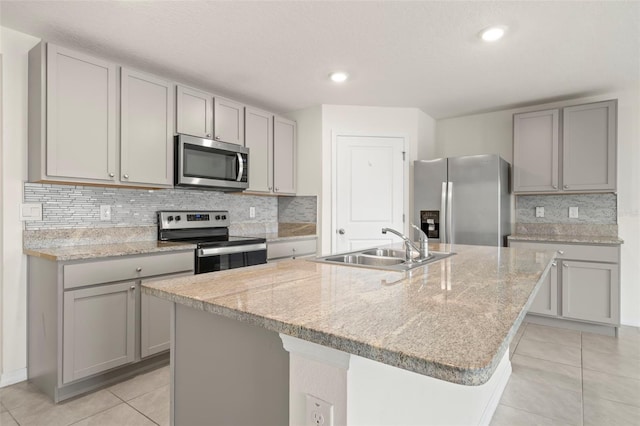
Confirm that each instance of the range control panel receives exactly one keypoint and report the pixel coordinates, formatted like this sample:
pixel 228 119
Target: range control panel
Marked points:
pixel 193 219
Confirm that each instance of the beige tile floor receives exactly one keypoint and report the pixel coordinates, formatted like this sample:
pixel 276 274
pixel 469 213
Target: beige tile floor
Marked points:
pixel 560 377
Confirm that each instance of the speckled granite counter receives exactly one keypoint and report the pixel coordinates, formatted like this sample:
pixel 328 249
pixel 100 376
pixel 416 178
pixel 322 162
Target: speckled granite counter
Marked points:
pixel 277 237
pixel 576 239
pixel 452 320
pixel 94 251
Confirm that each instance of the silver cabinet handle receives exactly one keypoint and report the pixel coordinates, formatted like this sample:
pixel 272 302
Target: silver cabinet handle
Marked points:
pixel 270 188
pixel 293 250
pixel 554 264
pixel 138 269
pixel 554 186
pixel 111 175
pixel 208 135
pixel 566 186
pixel 217 138
pixel 126 176
pixel 560 252
pixel 277 189
pixel 133 287
pixel 341 231
pixel 565 265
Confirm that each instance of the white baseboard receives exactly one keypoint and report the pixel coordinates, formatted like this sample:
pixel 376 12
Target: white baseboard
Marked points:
pixel 12 377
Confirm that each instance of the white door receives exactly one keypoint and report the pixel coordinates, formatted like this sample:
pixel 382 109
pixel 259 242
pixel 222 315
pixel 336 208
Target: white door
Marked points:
pixel 369 188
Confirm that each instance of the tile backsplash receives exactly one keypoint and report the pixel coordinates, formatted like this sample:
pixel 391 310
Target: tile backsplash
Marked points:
pixel 297 209
pixel 592 208
pixel 67 206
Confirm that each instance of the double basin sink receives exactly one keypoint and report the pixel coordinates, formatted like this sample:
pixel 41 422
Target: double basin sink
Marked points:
pixel 382 258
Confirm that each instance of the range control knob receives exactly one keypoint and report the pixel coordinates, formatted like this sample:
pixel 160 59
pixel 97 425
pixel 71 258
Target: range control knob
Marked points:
pixel 178 218
pixel 170 218
pixel 224 217
pixel 217 217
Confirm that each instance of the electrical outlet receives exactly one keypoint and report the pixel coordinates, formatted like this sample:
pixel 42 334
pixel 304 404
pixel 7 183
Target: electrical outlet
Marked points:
pixel 105 212
pixel 573 212
pixel 539 211
pixel 318 412
pixel 30 211
pixel 252 212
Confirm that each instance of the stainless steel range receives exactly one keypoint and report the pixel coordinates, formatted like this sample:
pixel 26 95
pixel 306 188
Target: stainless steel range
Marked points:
pixel 209 230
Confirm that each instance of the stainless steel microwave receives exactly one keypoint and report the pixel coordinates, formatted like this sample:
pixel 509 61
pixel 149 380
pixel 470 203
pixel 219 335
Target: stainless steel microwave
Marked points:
pixel 209 164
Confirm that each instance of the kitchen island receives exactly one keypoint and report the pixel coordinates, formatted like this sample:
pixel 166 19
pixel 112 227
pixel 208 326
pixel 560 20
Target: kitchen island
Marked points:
pixel 427 346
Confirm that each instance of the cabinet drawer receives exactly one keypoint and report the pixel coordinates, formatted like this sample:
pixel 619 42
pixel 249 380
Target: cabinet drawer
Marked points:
pixel 575 251
pixel 104 271
pixel 290 249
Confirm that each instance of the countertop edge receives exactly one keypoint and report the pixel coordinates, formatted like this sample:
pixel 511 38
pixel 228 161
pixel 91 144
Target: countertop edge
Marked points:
pixel 119 250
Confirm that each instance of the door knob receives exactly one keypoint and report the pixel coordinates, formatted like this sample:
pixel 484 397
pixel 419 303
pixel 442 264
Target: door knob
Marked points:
pixel 341 231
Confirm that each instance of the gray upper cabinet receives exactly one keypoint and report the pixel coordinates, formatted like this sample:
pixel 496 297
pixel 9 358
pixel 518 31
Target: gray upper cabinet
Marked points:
pixel 589 147
pixel 194 112
pixel 99 329
pixel 228 121
pixel 72 116
pixel 146 129
pixel 259 140
pixel 284 156
pixel 564 151
pixel 535 151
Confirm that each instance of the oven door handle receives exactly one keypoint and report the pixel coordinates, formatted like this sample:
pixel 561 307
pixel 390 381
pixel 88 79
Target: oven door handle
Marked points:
pixel 217 251
pixel 240 167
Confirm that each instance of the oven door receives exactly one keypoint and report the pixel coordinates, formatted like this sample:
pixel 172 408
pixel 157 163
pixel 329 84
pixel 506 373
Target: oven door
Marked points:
pixel 213 164
pixel 231 257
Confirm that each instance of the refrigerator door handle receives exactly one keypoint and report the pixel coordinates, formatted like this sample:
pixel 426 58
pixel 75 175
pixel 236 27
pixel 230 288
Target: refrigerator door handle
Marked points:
pixel 443 214
pixel 449 222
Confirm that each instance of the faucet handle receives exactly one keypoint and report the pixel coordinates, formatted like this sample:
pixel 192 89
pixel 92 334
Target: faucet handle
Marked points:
pixel 423 236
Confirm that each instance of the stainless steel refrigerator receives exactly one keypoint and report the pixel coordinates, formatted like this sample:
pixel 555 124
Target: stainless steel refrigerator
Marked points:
pixel 463 200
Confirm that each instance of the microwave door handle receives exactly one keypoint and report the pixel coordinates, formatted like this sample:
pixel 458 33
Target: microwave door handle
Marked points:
pixel 240 166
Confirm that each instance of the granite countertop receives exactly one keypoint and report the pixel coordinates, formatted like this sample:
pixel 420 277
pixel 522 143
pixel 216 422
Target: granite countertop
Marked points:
pixel 579 239
pixel 276 237
pixel 452 320
pixel 94 251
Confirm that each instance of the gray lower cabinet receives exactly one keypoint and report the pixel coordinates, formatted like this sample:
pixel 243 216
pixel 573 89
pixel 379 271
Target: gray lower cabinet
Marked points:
pixel 99 329
pixel 89 323
pixel 290 249
pixel 546 301
pixel 284 156
pixel 582 285
pixel 591 291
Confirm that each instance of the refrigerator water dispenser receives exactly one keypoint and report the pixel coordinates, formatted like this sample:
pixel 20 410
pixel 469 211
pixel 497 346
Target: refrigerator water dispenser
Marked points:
pixel 430 223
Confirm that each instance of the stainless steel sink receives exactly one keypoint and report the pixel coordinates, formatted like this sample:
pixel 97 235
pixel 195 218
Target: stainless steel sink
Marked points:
pixel 381 258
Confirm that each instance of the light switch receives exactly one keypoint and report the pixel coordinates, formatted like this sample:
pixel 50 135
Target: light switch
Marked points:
pixel 539 211
pixel 31 211
pixel 573 212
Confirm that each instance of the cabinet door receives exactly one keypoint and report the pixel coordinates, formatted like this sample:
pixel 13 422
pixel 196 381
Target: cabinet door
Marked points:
pixel 535 151
pixel 259 140
pixel 194 112
pixel 81 116
pixel 146 129
pixel 591 292
pixel 155 317
pixel 228 121
pixel 589 147
pixel 284 156
pixel 546 301
pixel 99 329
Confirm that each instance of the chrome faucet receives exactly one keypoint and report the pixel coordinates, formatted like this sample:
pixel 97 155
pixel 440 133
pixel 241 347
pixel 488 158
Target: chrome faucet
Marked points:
pixel 408 244
pixel 424 242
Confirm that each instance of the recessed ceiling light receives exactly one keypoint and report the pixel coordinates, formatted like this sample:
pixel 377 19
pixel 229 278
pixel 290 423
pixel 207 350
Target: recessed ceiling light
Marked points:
pixel 339 76
pixel 493 33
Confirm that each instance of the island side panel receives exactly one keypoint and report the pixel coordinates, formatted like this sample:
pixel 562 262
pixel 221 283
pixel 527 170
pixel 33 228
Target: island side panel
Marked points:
pixel 227 372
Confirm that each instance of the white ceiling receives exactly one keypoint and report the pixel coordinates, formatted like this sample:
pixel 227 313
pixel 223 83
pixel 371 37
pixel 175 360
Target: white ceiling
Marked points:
pixel 423 54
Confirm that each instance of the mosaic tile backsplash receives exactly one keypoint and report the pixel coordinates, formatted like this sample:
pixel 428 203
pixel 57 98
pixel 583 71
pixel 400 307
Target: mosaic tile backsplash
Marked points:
pixel 297 209
pixel 592 208
pixel 66 206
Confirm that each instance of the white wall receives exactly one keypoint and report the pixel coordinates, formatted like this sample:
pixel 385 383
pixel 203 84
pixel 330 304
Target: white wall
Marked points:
pixel 492 133
pixel 411 123
pixel 14 47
